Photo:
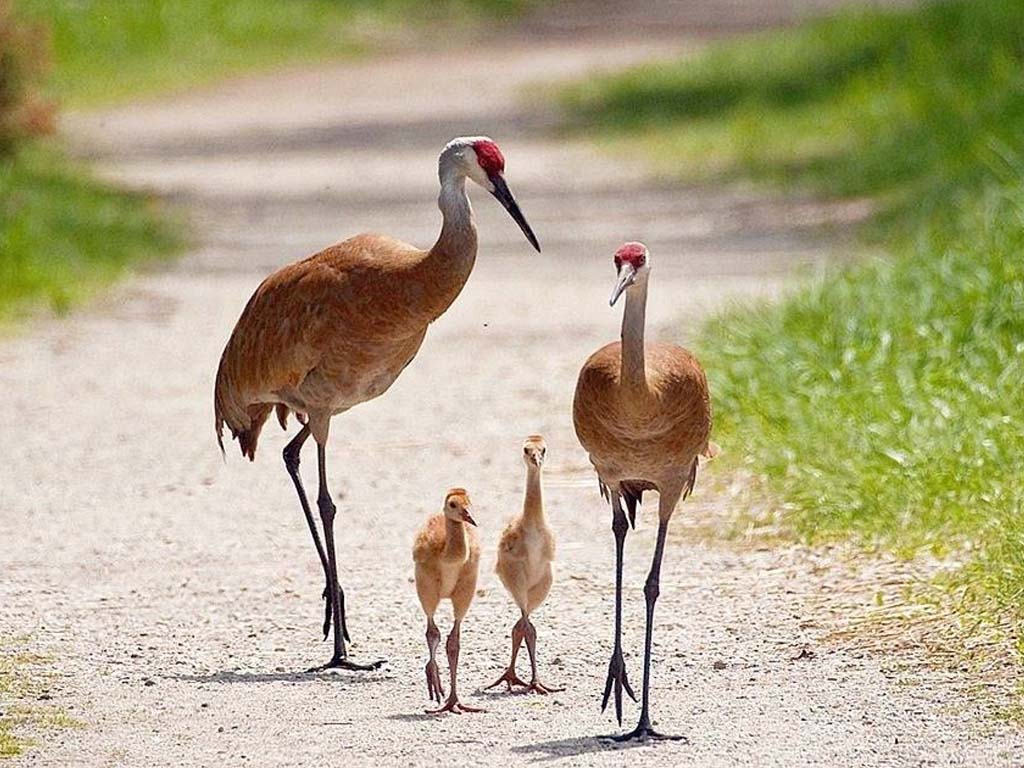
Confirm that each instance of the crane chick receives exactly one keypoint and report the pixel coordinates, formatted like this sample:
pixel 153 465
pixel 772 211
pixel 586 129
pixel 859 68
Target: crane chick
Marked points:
pixel 447 557
pixel 525 553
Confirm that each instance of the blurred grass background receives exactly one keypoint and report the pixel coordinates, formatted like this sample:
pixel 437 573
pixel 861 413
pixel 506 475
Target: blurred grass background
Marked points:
pixel 63 235
pixel 885 400
pixel 110 50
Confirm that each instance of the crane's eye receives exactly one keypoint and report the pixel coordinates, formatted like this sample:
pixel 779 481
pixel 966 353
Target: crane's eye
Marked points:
pixel 451 505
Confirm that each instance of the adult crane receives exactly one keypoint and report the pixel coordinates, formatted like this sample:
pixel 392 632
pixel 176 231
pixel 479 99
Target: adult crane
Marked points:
pixel 336 329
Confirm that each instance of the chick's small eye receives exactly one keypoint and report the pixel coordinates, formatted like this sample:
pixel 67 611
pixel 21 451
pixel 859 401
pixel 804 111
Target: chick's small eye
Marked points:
pixel 451 504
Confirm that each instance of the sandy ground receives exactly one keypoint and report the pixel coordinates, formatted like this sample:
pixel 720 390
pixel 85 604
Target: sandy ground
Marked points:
pixel 179 595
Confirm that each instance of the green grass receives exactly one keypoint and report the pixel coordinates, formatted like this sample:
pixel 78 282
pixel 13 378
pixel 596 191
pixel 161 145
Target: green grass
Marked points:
pixel 110 50
pixel 883 401
pixel 63 235
pixel 24 677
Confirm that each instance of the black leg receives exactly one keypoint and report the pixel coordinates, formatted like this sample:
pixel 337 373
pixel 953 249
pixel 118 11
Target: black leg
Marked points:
pixel 327 513
pixel 617 679
pixel 291 463
pixel 643 730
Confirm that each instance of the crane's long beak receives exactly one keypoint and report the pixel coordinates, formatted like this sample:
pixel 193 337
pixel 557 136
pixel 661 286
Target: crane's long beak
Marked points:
pixel 627 274
pixel 504 196
pixel 466 517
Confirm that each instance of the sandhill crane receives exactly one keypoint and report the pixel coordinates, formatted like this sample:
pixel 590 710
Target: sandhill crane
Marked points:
pixel 447 557
pixel 525 552
pixel 336 329
pixel 644 415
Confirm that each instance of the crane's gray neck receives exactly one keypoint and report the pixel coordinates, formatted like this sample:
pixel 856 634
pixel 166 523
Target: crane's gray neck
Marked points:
pixel 458 232
pixel 446 267
pixel 634 318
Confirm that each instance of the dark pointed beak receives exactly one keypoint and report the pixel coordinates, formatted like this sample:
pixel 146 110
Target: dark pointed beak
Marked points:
pixel 504 196
pixel 468 518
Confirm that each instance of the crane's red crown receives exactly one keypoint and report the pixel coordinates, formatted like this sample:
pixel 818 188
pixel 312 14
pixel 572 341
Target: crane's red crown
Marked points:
pixel 489 157
pixel 631 253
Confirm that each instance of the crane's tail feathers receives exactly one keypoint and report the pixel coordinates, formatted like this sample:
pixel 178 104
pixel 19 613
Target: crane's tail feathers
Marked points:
pixel 219 426
pixel 691 481
pixel 282 412
pixel 634 498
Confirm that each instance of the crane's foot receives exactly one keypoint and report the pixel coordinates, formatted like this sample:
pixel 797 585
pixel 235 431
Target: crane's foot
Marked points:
pixel 434 689
pixel 616 681
pixel 536 686
pixel 327 613
pixel 644 733
pixel 454 706
pixel 342 662
pixel 510 678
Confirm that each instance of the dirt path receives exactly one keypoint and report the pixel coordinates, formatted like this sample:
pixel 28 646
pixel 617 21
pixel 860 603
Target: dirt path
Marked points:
pixel 180 596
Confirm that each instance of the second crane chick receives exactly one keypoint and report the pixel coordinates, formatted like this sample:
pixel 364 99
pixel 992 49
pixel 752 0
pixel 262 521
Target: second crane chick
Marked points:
pixel 525 553
pixel 447 557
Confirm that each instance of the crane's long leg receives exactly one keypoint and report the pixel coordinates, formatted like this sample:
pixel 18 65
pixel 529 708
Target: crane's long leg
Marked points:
pixel 291 463
pixel 453 704
pixel 643 730
pixel 327 513
pixel 617 679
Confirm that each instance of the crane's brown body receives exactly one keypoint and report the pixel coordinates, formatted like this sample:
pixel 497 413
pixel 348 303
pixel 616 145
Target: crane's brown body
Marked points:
pixel 647 436
pixel 333 330
pixel 643 414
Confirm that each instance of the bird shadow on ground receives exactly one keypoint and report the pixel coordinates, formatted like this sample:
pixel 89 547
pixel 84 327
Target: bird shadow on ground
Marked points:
pixel 547 751
pixel 412 717
pixel 278 677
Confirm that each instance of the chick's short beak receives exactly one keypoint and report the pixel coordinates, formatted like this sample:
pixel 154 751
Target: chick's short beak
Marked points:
pixel 627 274
pixel 467 518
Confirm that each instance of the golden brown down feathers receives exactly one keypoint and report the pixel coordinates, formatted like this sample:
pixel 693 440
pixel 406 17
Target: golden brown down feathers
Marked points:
pixel 651 434
pixel 430 541
pixel 518 541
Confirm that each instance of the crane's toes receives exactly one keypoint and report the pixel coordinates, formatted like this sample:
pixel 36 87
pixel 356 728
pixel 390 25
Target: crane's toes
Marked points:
pixel 342 662
pixel 538 687
pixel 615 683
pixel 434 689
pixel 454 706
pixel 643 734
pixel 328 612
pixel 510 678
